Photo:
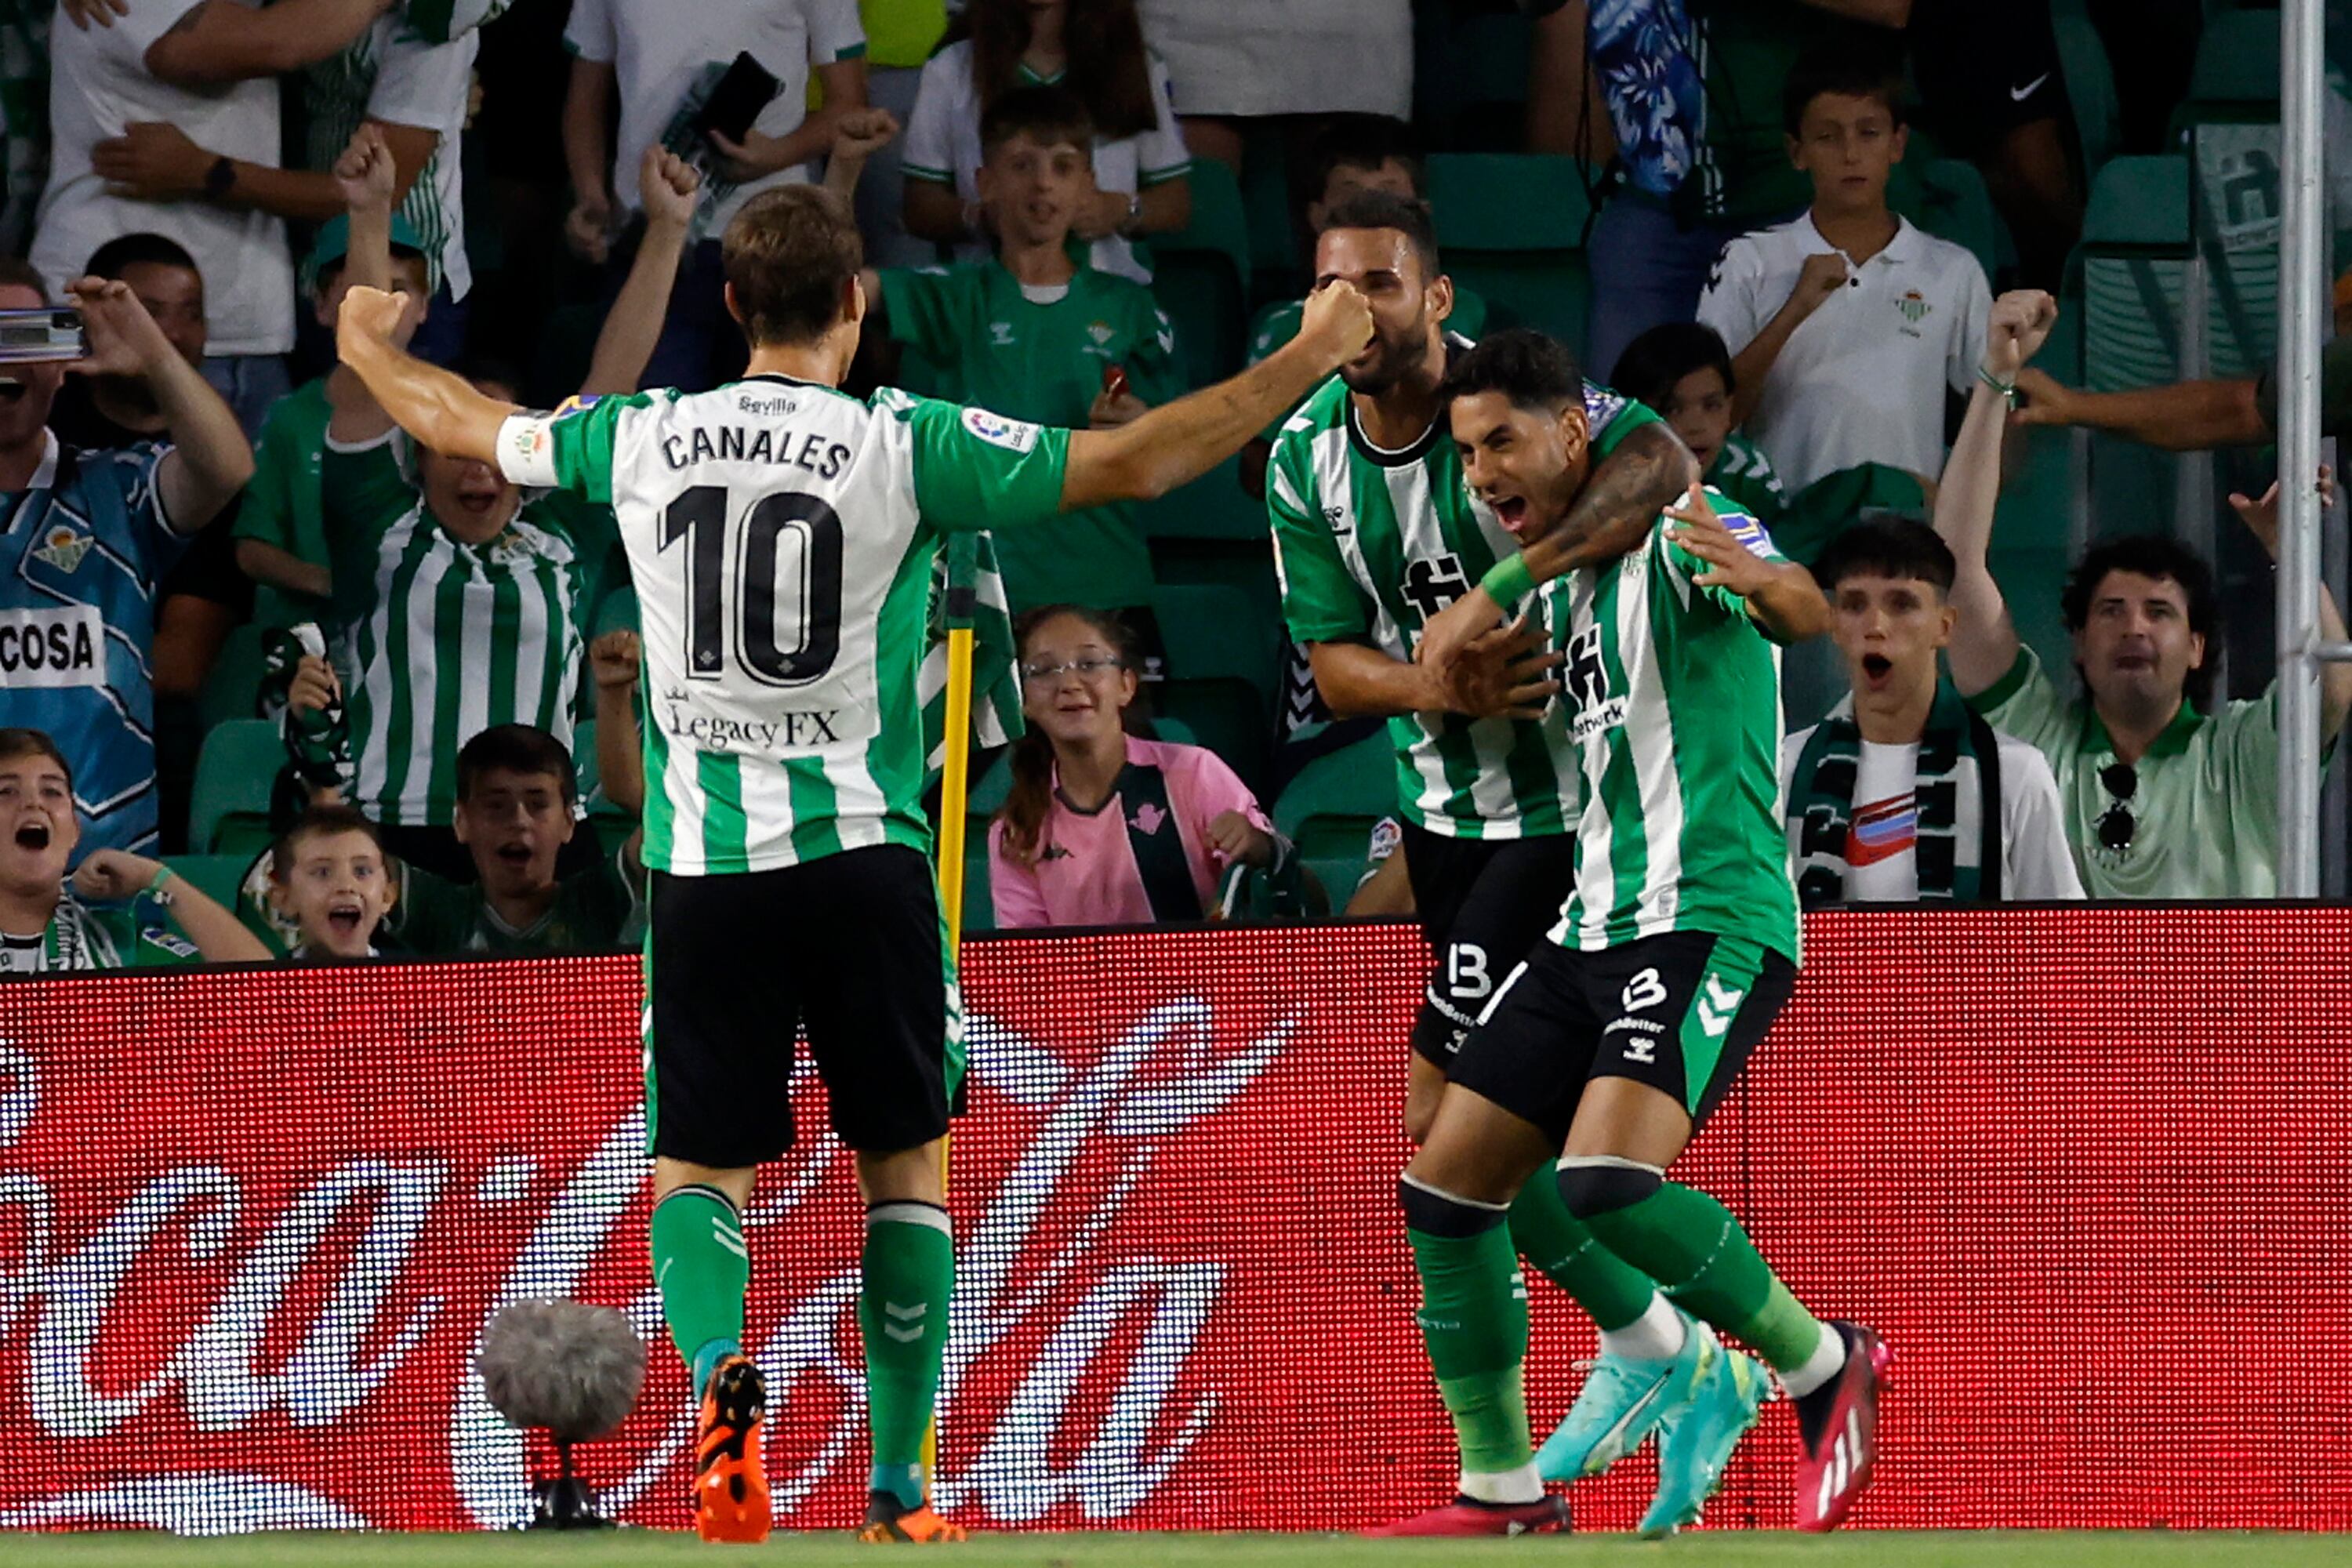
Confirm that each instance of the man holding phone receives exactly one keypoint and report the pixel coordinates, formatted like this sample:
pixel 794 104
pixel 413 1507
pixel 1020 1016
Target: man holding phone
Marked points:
pixel 89 535
pixel 724 84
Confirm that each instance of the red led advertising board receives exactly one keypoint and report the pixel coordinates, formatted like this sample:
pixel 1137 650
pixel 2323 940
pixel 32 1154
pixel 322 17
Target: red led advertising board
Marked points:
pixel 2086 1170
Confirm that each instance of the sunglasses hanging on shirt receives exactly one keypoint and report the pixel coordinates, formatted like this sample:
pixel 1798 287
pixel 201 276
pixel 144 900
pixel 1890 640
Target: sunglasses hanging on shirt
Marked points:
pixel 2116 824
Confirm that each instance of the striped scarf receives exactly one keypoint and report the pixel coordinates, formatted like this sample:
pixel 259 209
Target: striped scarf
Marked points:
pixel 1958 795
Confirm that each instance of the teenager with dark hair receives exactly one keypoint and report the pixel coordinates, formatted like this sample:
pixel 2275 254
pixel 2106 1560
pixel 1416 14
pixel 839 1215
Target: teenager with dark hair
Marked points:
pixel 1903 794
pixel 2165 796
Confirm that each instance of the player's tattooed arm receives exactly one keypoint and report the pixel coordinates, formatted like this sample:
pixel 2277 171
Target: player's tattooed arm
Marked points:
pixel 1619 505
pixel 1648 471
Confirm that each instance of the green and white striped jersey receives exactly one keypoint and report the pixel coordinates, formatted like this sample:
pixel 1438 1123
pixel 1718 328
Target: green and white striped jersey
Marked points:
pixel 1672 698
pixel 780 536
pixel 1369 544
pixel 438 639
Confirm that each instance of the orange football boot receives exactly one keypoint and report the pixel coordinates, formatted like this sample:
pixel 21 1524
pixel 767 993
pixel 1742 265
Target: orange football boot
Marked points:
pixel 730 1490
pixel 917 1524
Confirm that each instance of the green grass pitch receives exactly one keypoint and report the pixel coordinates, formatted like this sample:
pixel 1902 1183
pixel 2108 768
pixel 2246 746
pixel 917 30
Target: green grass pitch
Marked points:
pixel 1856 1549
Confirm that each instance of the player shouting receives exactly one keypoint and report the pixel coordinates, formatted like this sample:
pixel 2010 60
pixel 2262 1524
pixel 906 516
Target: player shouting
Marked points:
pixel 1375 535
pixel 1676 948
pixel 781 535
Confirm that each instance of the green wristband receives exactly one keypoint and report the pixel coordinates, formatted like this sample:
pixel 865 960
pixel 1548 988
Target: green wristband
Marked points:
pixel 1508 581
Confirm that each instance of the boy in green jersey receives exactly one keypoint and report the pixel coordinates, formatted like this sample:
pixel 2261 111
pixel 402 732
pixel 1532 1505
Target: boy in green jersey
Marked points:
pixel 463 601
pixel 1684 371
pixel 515 792
pixel 1035 334
pixel 1675 949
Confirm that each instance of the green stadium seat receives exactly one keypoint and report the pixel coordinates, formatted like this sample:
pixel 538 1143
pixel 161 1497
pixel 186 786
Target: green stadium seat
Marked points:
pixel 1947 198
pixel 1513 227
pixel 2237 60
pixel 1327 810
pixel 2090 87
pixel 233 688
pixel 228 805
pixel 1213 507
pixel 1470 77
pixel 1200 276
pixel 979 912
pixel 2131 268
pixel 220 878
pixel 1223 668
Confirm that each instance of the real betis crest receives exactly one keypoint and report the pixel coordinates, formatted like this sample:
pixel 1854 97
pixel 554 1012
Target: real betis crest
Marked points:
pixel 1914 306
pixel 63 548
pixel 1100 331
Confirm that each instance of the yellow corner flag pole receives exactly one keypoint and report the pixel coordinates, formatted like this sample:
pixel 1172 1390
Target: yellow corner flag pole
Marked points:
pixel 955 791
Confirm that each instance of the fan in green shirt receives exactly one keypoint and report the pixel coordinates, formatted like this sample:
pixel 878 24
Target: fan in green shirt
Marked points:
pixel 2165 796
pixel 517 800
pixel 1684 371
pixel 280 529
pixel 1034 333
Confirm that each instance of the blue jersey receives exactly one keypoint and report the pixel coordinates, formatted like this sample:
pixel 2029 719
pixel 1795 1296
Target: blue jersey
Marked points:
pixel 83 550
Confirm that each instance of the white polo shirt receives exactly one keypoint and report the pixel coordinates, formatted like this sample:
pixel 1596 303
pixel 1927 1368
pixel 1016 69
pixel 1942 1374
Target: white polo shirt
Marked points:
pixel 943 146
pixel 666 56
pixel 99 83
pixel 1862 379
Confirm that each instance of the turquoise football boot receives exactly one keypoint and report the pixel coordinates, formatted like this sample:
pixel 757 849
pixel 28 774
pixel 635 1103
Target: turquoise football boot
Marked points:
pixel 1696 1437
pixel 1622 1402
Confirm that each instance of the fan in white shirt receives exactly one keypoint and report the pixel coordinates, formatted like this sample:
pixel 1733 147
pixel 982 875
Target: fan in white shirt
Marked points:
pixel 1889 799
pixel 1847 324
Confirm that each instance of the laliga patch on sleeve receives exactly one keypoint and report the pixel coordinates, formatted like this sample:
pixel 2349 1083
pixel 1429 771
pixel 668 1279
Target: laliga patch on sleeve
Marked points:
pixel 1013 434
pixel 1750 532
pixel 578 403
pixel 1601 406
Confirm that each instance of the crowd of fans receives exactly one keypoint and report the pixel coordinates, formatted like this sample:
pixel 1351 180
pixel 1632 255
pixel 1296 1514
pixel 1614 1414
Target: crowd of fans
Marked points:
pixel 203 179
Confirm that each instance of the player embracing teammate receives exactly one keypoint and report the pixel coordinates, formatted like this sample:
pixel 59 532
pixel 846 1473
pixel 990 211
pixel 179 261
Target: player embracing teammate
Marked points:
pixel 1646 798
pixel 1601 1055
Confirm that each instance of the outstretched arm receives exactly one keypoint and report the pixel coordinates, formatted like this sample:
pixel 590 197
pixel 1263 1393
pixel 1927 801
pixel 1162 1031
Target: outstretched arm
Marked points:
pixel 1178 442
pixel 210 459
pixel 2187 416
pixel 439 408
pixel 2262 518
pixel 1984 645
pixel 221 41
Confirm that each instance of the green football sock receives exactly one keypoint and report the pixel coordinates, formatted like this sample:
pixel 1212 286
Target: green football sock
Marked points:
pixel 909 1271
pixel 701 1267
pixel 1474 1318
pixel 1563 1249
pixel 1702 1258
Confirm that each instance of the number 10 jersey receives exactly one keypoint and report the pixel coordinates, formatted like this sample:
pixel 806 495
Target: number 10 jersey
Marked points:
pixel 780 536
